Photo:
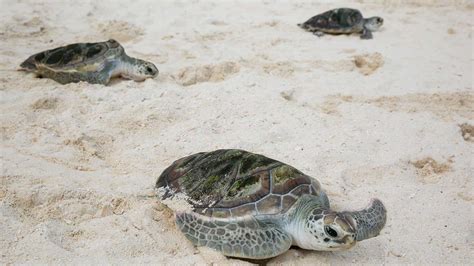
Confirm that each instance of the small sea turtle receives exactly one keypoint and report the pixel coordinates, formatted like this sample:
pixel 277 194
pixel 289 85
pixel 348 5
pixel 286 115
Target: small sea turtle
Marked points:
pixel 249 206
pixel 342 21
pixel 91 62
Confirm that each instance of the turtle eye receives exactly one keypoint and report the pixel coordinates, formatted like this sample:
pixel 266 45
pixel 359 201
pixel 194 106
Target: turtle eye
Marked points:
pixel 331 232
pixel 149 70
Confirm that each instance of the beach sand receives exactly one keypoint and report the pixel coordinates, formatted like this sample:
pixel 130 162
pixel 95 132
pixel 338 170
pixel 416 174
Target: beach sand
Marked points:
pixel 390 118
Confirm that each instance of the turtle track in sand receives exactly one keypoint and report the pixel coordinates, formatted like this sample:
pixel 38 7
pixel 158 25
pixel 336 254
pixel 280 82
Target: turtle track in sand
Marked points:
pixel 365 64
pixel 444 106
pixel 121 31
pixel 71 206
pixel 24 28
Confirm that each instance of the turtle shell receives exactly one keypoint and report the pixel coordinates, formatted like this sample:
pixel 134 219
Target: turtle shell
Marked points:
pixel 336 20
pixel 234 183
pixel 79 56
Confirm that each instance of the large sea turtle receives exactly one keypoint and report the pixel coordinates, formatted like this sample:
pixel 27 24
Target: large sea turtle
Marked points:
pixel 249 206
pixel 342 21
pixel 91 62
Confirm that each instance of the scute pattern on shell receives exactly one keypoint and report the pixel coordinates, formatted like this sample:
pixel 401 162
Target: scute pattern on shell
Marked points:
pixel 234 183
pixel 339 20
pixel 74 55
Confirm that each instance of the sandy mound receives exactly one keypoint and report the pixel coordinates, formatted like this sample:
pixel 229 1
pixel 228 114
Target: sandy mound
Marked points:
pixel 467 132
pixel 368 63
pixel 280 69
pixel 46 103
pixel 97 145
pixel 207 73
pixel 24 27
pixel 121 31
pixel 429 170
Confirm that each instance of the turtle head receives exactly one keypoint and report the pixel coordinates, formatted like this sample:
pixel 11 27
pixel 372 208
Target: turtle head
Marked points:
pixel 138 69
pixel 373 23
pixel 324 229
pixel 145 70
pixel 329 230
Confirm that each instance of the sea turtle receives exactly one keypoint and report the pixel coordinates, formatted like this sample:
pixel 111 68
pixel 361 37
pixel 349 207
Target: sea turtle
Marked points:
pixel 249 206
pixel 91 62
pixel 342 21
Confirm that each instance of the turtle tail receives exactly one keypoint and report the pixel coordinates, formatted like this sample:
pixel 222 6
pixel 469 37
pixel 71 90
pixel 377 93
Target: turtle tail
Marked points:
pixel 369 221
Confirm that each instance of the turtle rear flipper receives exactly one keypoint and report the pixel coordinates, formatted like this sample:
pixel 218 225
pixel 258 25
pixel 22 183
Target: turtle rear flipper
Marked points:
pixel 318 33
pixel 244 238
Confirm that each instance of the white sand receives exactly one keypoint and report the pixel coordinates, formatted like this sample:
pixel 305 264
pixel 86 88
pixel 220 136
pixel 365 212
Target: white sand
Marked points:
pixel 79 161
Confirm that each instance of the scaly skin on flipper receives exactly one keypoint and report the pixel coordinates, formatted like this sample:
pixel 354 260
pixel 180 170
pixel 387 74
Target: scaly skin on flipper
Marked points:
pixel 250 206
pixel 244 238
pixel 94 77
pixel 366 35
pixel 90 62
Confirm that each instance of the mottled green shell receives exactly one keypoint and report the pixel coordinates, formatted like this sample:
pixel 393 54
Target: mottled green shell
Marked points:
pixel 80 57
pixel 233 183
pixel 340 20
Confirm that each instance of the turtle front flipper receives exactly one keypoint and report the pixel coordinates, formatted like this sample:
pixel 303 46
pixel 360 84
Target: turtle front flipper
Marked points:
pixel 366 34
pixel 100 74
pixel 244 237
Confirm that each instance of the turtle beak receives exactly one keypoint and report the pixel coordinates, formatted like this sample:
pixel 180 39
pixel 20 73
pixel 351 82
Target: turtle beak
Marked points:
pixel 369 221
pixel 346 242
